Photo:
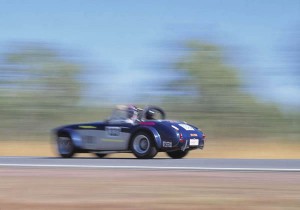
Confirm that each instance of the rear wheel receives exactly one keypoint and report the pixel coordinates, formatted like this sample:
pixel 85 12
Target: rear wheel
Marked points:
pixel 177 154
pixel 142 146
pixel 65 146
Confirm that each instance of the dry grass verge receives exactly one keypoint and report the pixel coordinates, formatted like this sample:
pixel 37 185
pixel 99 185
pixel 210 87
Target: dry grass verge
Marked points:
pixel 221 148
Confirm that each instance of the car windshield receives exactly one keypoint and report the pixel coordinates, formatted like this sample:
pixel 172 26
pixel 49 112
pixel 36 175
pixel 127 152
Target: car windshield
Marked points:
pixel 119 114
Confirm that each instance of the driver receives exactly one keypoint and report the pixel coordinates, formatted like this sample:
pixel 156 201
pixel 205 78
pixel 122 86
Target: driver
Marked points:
pixel 132 114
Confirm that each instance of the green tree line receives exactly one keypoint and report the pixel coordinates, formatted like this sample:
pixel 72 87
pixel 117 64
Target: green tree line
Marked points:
pixel 38 85
pixel 41 87
pixel 220 103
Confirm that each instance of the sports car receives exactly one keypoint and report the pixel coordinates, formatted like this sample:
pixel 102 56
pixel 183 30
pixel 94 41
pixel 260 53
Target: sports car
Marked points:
pixel 143 132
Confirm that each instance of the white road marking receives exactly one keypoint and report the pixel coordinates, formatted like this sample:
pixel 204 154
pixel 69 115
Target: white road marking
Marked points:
pixel 153 167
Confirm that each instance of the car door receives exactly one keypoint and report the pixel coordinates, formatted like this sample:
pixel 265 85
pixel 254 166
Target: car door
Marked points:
pixel 115 136
pixel 90 135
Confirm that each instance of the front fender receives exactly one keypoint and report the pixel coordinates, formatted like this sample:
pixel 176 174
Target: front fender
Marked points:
pixel 75 137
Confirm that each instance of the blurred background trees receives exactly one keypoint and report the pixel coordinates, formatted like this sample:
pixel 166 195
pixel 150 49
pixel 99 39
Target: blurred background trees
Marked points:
pixel 39 84
pixel 220 103
pixel 42 87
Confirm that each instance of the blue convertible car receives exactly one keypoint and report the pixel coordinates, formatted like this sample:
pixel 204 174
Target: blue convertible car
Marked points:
pixel 144 132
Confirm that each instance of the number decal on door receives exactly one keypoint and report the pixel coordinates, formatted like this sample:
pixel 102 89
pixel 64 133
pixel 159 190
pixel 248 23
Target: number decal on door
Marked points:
pixel 113 131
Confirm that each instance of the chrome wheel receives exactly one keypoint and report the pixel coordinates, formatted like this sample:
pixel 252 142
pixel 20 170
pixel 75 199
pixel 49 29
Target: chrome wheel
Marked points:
pixel 142 146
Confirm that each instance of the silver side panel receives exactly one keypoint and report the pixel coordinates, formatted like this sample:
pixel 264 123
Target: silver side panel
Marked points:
pixel 109 139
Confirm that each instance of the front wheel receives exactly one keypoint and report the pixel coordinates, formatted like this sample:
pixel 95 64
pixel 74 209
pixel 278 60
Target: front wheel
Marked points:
pixel 65 146
pixel 142 146
pixel 177 154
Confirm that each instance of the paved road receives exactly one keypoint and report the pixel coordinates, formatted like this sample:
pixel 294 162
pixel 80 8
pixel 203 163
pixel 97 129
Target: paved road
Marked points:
pixel 156 164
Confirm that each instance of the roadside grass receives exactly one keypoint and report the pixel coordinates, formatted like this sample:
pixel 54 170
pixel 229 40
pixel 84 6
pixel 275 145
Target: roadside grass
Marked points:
pixel 214 148
pixel 30 137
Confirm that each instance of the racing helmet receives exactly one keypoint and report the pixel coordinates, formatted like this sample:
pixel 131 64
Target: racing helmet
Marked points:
pixel 150 114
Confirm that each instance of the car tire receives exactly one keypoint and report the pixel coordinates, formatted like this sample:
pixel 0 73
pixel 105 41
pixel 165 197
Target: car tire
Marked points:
pixel 65 146
pixel 177 154
pixel 142 146
pixel 100 155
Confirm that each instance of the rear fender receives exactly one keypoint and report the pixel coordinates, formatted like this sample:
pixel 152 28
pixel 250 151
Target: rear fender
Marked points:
pixel 153 132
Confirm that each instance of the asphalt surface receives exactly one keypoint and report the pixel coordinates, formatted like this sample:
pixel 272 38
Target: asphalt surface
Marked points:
pixel 285 165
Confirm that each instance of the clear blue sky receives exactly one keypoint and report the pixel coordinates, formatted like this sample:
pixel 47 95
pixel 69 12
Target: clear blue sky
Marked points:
pixel 127 35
